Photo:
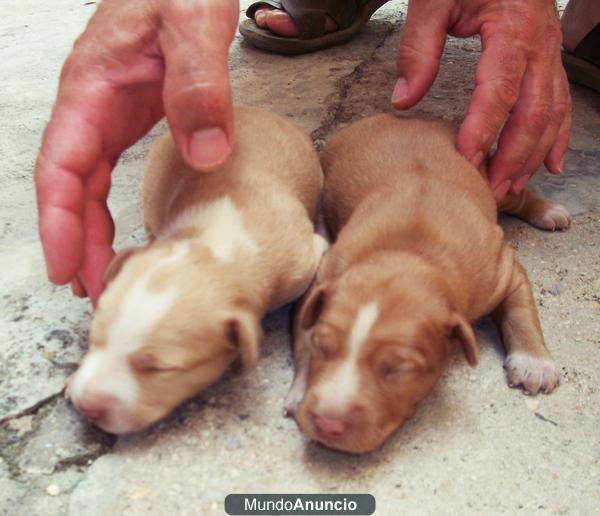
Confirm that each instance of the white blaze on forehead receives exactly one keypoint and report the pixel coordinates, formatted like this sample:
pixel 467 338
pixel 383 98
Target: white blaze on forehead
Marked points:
pixel 341 386
pixel 365 320
pixel 106 371
pixel 142 308
pixel 220 225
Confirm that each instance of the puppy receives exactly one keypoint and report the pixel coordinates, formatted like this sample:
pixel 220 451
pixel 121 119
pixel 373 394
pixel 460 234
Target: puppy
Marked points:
pixel 223 248
pixel 418 256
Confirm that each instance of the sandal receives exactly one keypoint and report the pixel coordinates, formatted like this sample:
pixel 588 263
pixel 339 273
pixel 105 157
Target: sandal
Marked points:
pixel 583 64
pixel 581 32
pixel 310 16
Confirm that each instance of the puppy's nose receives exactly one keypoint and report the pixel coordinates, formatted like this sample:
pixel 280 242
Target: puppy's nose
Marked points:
pixel 330 427
pixel 95 407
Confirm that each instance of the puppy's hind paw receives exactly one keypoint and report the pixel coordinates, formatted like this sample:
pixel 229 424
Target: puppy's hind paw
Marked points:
pixel 556 217
pixel 535 374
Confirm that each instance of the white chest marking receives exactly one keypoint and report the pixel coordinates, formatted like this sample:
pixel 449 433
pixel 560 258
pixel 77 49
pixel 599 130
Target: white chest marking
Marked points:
pixel 341 387
pixel 221 228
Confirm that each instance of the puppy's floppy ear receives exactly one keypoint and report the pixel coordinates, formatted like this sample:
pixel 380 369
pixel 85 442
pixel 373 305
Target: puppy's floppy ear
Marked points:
pixel 461 330
pixel 115 266
pixel 244 332
pixel 312 305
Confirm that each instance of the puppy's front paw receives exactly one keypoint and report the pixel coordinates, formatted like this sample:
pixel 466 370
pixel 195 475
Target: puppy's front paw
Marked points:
pixel 535 374
pixel 556 217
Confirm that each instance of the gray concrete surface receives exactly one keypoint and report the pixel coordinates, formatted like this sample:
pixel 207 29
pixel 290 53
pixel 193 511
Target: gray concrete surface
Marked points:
pixel 474 447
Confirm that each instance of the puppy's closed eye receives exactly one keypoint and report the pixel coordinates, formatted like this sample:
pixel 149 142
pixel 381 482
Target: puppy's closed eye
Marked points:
pixel 399 360
pixel 147 362
pixel 392 370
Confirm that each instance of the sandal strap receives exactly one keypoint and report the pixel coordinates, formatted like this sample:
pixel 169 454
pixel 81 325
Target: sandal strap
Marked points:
pixel 589 47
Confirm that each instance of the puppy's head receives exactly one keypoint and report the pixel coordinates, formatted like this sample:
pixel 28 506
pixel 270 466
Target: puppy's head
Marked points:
pixel 164 329
pixel 376 352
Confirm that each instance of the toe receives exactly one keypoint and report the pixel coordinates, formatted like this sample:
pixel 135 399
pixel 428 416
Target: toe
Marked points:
pixel 260 17
pixel 556 217
pixel 281 23
pixel 534 374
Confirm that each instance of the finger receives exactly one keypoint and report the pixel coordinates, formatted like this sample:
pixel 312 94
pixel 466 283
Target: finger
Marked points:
pixel 555 158
pixel 523 131
pixel 98 231
pixel 69 151
pixel 77 288
pixel 197 95
pixel 558 112
pixel 421 45
pixel 497 81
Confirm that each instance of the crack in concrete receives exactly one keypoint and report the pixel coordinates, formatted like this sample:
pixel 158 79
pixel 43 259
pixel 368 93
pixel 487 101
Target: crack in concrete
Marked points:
pixel 331 120
pixel 33 409
pixel 14 443
pixel 85 460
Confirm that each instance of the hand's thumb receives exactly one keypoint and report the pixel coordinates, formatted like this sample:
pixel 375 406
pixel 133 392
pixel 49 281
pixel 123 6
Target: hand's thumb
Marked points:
pixel 421 45
pixel 197 93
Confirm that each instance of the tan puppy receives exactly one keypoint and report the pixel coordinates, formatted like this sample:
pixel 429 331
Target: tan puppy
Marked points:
pixel 224 248
pixel 418 256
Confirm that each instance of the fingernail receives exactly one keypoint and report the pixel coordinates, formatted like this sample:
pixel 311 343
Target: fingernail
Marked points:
pixel 561 165
pixel 502 189
pixel 209 147
pixel 400 90
pixel 477 159
pixel 520 183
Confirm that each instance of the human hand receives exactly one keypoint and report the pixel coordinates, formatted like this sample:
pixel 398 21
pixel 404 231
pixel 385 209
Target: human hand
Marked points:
pixel 519 80
pixel 136 61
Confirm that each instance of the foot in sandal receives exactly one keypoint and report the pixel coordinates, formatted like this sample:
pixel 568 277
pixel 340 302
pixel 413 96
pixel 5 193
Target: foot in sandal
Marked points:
pixel 301 26
pixel 581 40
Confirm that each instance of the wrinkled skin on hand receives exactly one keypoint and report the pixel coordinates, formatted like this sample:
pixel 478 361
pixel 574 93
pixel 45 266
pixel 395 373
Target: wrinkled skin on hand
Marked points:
pixel 520 81
pixel 136 61
pixel 142 59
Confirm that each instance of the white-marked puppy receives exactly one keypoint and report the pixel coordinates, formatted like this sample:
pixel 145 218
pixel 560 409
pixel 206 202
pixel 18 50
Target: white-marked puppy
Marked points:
pixel 224 248
pixel 418 256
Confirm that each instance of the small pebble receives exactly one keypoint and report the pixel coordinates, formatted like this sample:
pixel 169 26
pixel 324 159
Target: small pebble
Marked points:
pixel 139 493
pixel 555 290
pixel 53 490
pixel 232 443
pixel 532 404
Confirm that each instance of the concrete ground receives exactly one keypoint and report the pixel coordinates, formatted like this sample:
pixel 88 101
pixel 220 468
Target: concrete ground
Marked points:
pixel 474 447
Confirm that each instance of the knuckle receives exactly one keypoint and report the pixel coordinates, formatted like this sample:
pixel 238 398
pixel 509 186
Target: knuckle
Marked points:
pixel 553 36
pixel 410 53
pixel 72 65
pixel 539 116
pixel 560 110
pixel 506 91
pixel 569 105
